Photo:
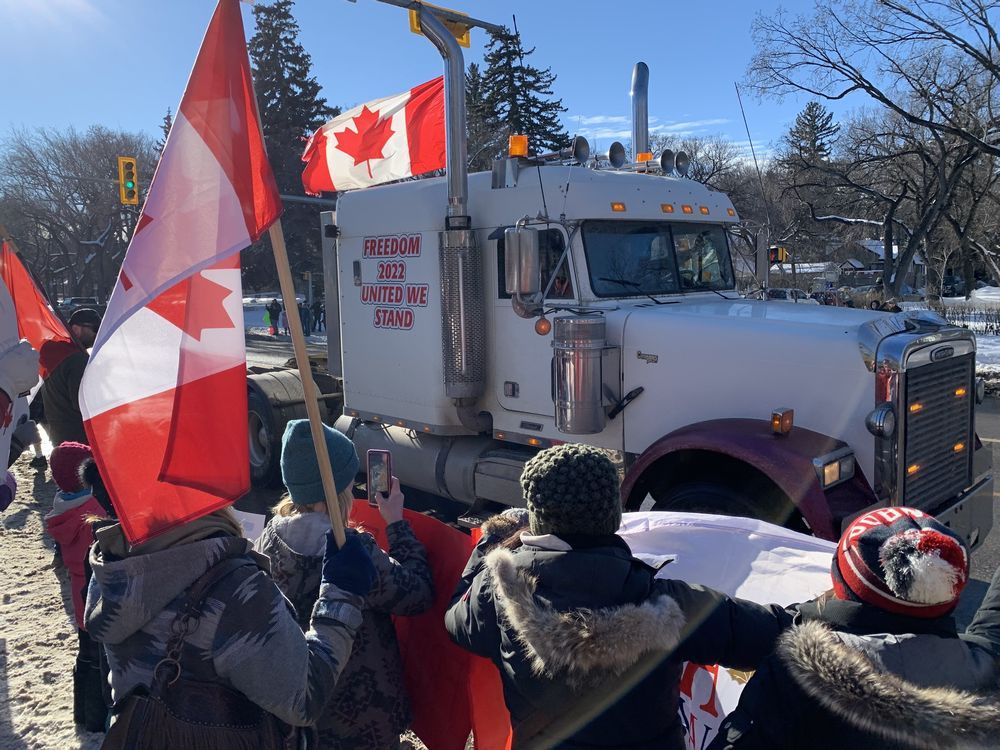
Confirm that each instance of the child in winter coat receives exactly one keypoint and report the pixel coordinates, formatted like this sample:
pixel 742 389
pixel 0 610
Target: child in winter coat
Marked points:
pixel 67 524
pixel 369 708
pixel 588 642
pixel 877 663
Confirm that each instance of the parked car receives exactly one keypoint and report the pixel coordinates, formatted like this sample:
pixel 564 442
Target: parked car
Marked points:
pixel 790 295
pixel 952 286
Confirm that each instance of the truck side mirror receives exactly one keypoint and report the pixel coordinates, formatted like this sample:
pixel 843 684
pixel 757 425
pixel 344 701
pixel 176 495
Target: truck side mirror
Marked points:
pixel 521 261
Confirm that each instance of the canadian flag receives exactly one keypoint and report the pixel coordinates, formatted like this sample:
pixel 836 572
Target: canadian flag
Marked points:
pixel 35 320
pixel 380 141
pixel 164 395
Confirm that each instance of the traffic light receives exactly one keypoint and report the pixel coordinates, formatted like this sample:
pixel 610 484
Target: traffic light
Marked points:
pixel 777 254
pixel 128 182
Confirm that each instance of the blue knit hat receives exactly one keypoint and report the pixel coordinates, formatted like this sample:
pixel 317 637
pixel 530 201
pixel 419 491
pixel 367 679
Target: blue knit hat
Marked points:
pixel 299 468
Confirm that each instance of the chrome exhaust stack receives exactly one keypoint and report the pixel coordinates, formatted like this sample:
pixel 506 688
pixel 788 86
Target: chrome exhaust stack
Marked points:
pixel 640 109
pixel 463 298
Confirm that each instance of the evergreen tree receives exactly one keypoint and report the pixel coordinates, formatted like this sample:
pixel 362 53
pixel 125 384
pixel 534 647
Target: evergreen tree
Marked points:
pixel 518 95
pixel 168 122
pixel 291 108
pixel 482 128
pixel 810 138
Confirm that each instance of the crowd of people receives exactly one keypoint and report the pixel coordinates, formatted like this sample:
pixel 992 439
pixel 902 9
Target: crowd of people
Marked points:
pixel 203 638
pixel 313 317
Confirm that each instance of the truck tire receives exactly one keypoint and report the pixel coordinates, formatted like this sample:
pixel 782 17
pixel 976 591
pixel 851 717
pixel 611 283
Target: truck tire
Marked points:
pixel 701 496
pixel 265 443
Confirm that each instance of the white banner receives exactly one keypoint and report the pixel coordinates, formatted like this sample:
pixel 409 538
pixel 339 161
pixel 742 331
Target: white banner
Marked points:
pixel 749 559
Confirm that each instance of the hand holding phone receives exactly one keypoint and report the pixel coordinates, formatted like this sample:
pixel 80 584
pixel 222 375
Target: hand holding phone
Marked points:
pixel 379 474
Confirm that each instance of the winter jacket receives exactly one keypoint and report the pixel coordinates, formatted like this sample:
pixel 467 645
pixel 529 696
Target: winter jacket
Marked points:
pixel 589 644
pixel 61 396
pixel 247 637
pixel 369 708
pixel 66 525
pixel 851 676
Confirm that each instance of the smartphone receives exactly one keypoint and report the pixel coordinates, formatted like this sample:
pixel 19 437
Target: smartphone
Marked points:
pixel 379 474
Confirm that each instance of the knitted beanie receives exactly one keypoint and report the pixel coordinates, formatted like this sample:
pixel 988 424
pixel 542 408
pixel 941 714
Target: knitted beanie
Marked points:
pixel 572 489
pixel 66 461
pixel 903 561
pixel 299 468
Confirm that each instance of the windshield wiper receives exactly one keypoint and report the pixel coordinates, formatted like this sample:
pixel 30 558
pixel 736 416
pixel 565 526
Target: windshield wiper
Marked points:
pixel 634 285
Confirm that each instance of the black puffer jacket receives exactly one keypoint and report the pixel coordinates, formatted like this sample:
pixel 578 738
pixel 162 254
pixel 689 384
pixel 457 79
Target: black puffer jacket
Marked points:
pixel 852 676
pixel 589 645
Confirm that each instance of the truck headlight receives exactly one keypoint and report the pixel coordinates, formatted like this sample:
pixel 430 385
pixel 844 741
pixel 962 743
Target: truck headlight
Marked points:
pixel 834 468
pixel 881 421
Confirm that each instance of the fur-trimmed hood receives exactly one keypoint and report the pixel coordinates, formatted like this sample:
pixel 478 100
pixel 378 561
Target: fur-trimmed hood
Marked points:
pixel 581 646
pixel 848 684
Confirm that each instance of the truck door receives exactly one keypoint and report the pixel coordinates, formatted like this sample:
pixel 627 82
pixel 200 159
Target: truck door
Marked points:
pixel 523 358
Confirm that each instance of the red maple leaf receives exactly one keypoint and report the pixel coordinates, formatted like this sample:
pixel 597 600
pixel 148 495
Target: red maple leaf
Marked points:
pixel 194 305
pixel 369 140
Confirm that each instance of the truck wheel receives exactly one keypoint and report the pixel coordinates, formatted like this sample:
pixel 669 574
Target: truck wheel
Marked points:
pixel 718 499
pixel 265 446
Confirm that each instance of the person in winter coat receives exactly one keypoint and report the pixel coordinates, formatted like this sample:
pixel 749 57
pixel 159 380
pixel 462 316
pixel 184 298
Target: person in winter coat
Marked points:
pixel 61 392
pixel 273 312
pixel 69 525
pixel 18 373
pixel 369 708
pixel 247 646
pixel 877 663
pixel 588 642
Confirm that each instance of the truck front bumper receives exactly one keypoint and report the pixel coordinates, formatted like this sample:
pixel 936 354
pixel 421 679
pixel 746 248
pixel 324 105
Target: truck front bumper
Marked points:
pixel 971 513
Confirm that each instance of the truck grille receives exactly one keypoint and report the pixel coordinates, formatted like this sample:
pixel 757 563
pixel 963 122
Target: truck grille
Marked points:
pixel 937 462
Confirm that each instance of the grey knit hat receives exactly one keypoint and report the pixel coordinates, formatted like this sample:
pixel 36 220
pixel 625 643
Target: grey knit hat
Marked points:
pixel 572 489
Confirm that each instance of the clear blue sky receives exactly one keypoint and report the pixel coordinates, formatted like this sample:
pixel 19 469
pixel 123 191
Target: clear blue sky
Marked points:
pixel 123 62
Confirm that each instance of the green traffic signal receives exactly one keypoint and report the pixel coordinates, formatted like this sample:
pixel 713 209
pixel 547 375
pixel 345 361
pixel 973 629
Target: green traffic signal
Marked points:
pixel 129 184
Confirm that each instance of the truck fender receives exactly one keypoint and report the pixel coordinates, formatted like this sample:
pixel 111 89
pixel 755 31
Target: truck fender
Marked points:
pixel 787 460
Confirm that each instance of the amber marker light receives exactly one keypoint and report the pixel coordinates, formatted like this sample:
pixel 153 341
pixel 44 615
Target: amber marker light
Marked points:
pixel 960 392
pixel 959 447
pixel 687 209
pixel 667 208
pixel 912 469
pixel 644 156
pixel 704 210
pixel 731 211
pixel 782 421
pixel 517 145
pixel 543 326
pixel 617 206
pixel 915 407
pixel 534 441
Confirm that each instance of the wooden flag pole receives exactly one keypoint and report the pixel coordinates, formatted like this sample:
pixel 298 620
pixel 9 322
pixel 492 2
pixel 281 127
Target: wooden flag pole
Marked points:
pixel 308 384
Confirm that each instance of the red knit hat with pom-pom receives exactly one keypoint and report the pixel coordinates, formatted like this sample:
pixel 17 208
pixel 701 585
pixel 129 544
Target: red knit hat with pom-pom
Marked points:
pixel 903 561
pixel 66 461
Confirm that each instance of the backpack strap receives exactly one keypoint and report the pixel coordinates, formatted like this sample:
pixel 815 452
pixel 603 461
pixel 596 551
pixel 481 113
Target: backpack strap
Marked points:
pixel 168 670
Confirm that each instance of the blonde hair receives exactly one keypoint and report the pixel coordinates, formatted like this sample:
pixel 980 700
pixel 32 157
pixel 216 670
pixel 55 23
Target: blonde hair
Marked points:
pixel 287 507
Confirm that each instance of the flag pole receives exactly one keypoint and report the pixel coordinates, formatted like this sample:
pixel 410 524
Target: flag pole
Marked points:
pixel 308 384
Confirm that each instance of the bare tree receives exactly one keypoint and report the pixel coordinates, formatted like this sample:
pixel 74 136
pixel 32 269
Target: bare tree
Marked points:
pixel 934 63
pixel 59 198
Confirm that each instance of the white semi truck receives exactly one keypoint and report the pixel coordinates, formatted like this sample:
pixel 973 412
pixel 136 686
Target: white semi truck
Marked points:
pixel 476 319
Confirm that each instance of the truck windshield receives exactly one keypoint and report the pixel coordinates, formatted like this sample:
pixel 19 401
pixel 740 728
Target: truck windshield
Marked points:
pixel 627 258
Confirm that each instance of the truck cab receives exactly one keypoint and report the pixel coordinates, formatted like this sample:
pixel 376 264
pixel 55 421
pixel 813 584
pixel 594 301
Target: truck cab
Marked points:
pixel 805 415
